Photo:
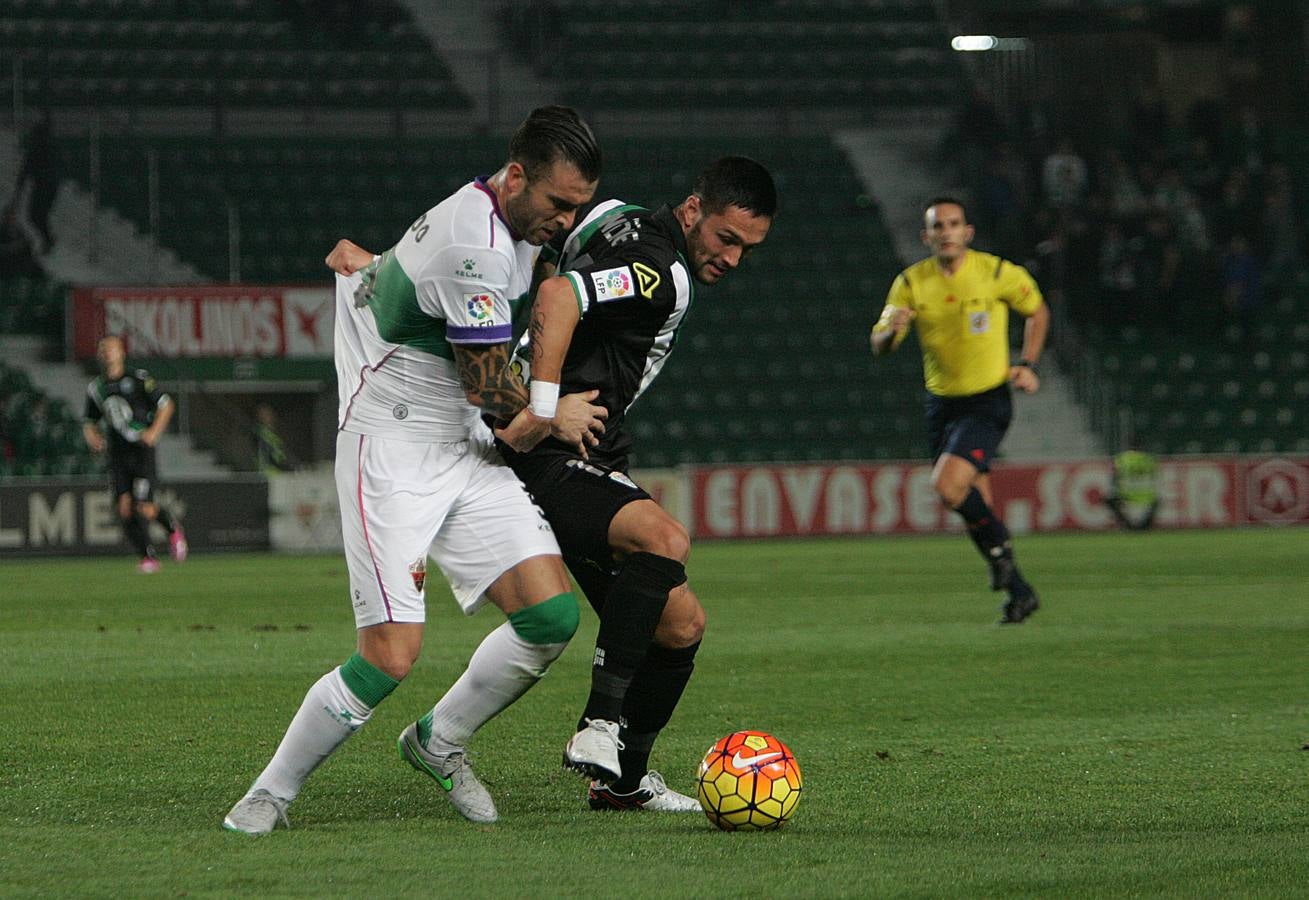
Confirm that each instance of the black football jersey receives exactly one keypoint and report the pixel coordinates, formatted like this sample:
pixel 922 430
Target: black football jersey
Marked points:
pixel 629 271
pixel 127 405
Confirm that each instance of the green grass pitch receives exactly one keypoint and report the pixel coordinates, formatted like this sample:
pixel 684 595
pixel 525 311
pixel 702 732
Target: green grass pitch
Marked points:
pixel 1142 734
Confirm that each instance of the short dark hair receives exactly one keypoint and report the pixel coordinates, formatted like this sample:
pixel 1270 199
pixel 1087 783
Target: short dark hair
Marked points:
pixel 553 133
pixel 737 181
pixel 936 201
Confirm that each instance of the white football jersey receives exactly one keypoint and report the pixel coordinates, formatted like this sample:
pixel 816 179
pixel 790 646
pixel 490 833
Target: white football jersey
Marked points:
pixel 449 280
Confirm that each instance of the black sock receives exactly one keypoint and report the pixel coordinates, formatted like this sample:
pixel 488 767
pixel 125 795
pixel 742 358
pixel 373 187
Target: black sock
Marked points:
pixel 165 519
pixel 651 699
pixel 135 528
pixel 594 582
pixel 985 527
pixel 631 613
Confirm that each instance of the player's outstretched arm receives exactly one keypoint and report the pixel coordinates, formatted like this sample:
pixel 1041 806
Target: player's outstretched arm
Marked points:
pixel 347 257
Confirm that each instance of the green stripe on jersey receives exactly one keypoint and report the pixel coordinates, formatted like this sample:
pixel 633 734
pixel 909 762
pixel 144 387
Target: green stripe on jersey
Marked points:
pixel 393 300
pixel 585 235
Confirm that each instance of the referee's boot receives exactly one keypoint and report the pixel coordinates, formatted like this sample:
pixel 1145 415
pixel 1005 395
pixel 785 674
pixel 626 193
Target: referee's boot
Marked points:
pixel 1003 568
pixel 1022 601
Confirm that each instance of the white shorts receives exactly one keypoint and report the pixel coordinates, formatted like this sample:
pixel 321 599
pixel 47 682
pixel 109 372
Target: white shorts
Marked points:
pixel 400 500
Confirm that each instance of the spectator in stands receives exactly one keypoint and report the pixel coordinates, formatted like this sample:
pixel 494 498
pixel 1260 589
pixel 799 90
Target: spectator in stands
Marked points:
pixel 1064 176
pixel 1280 244
pixel 1124 198
pixel 959 300
pixel 271 455
pixel 17 256
pixel 38 177
pixel 1242 283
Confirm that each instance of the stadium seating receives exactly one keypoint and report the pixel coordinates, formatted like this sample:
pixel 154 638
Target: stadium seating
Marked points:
pixel 801 54
pixel 1229 393
pixel 38 435
pixel 31 306
pixel 205 53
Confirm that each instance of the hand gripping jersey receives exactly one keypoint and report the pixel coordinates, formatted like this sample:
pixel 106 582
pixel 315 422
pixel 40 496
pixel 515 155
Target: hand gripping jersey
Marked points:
pixel 448 281
pixel 127 405
pixel 628 269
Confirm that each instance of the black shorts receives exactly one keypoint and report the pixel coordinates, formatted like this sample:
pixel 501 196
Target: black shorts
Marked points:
pixel 579 500
pixel 132 471
pixel 971 427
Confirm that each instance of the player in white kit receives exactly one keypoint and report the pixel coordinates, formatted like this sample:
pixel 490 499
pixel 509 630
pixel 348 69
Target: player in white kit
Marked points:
pixel 422 353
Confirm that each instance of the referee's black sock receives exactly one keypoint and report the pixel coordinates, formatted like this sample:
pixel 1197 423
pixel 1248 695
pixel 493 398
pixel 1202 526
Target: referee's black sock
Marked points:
pixel 134 526
pixel 651 698
pixel 631 613
pixel 985 528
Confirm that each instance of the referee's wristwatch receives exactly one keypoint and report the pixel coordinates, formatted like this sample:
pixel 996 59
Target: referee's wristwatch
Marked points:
pixel 1028 364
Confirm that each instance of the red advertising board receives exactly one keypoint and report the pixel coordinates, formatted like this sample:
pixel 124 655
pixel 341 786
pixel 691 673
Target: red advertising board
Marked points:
pixel 897 498
pixel 205 321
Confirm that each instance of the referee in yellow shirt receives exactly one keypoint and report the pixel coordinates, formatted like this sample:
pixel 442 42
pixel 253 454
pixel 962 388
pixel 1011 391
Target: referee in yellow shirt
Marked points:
pixel 959 300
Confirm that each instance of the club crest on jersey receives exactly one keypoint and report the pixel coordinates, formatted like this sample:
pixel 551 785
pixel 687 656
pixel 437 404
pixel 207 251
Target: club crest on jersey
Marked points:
pixel 647 279
pixel 418 572
pixel 480 307
pixel 979 322
pixel 613 284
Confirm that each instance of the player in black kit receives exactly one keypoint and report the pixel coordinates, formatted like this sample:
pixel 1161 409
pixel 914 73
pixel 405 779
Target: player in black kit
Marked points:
pixel 607 324
pixel 608 321
pixel 133 412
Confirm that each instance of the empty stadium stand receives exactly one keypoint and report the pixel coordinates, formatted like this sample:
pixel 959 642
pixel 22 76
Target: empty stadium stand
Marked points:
pixel 803 54
pixel 221 53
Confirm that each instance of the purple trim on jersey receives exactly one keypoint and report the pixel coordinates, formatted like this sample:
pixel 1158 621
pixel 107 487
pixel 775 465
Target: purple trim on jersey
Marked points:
pixel 363 518
pixel 478 334
pixel 480 183
pixel 351 403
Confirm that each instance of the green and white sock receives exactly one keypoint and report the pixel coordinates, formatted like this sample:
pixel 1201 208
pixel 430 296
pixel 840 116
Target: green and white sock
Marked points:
pixel 336 707
pixel 508 661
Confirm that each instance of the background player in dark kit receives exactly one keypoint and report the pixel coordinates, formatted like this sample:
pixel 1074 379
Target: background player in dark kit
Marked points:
pixel 133 412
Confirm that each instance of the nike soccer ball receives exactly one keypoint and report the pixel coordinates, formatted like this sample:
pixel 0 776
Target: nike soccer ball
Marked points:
pixel 749 781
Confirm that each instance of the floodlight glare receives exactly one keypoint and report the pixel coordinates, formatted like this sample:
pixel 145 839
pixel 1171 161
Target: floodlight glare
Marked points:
pixel 973 43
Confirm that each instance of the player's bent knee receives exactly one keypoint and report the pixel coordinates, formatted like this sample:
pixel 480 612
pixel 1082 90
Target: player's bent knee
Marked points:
pixel 669 539
pixel 683 621
pixel 366 681
pixel 552 621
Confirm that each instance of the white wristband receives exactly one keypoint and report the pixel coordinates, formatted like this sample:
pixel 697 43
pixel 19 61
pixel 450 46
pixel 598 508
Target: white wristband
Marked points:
pixel 545 398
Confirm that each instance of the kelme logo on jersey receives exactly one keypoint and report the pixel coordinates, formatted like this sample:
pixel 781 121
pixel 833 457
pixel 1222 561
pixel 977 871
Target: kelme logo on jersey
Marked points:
pixel 613 284
pixel 468 269
pixel 480 307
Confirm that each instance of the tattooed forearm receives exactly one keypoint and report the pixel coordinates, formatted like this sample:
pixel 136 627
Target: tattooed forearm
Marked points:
pixel 536 327
pixel 489 381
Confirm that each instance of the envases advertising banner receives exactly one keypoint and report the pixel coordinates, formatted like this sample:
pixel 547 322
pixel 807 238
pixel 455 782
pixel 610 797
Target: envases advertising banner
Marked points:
pixel 897 498
pixel 203 321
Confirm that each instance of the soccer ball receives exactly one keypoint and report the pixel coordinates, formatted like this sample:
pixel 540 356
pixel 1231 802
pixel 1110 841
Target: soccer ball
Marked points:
pixel 749 781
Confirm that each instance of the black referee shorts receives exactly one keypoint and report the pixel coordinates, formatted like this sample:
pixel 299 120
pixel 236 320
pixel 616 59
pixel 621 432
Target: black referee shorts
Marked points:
pixel 971 427
pixel 132 471
pixel 579 500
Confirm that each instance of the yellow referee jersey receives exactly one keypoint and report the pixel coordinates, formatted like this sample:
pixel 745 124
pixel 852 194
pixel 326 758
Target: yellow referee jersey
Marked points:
pixel 962 320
